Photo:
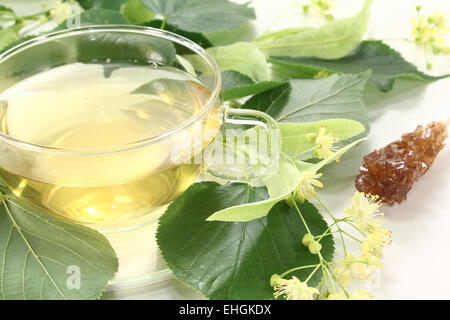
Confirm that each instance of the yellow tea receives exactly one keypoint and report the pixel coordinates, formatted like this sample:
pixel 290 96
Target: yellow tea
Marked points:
pixel 88 110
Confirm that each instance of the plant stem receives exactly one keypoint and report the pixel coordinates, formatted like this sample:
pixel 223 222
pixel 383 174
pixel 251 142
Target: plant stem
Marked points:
pixel 304 152
pixel 312 273
pixel 35 15
pixel 324 268
pixel 301 216
pixel 336 222
pixel 298 268
pixel 358 229
pixel 163 24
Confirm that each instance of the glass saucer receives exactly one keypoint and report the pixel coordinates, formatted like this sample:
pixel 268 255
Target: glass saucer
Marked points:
pixel 142 270
pixel 140 261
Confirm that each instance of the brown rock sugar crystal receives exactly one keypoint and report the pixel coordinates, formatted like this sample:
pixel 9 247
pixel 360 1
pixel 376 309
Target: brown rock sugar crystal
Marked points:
pixel 391 171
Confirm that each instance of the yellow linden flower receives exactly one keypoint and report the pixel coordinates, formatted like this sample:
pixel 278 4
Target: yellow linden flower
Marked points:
pixel 325 143
pixel 376 241
pixel 320 6
pixel 351 267
pixel 374 263
pixel 365 211
pixel 419 31
pixel 294 289
pixel 361 295
pixel 439 19
pixel 305 188
pixel 431 31
pixel 60 11
pixel 321 75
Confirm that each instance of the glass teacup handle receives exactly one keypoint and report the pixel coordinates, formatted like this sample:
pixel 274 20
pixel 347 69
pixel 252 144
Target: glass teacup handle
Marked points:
pixel 247 147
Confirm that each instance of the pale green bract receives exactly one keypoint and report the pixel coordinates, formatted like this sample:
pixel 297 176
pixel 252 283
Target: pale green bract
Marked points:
pixel 314 167
pixel 295 135
pixel 243 57
pixel 225 260
pixel 279 186
pixel 387 66
pixel 332 41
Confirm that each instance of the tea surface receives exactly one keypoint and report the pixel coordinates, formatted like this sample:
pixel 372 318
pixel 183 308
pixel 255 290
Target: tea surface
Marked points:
pixel 81 106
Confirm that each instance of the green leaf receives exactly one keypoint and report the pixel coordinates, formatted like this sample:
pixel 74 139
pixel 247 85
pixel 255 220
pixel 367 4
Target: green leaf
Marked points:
pixel 5 9
pixel 106 4
pixel 200 15
pixel 233 78
pixel 9 35
pixel 15 43
pixel 235 85
pixel 86 4
pixel 194 36
pixel 244 33
pixel 136 12
pixel 279 185
pixel 387 66
pixel 334 40
pixel 242 57
pixel 295 135
pixel 304 100
pixel 109 4
pixel 226 260
pixel 37 251
pixel 97 17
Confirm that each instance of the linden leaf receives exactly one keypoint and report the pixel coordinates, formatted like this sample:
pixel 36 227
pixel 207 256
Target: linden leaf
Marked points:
pixel 387 66
pixel 235 85
pixel 334 40
pixel 194 36
pixel 136 12
pixel 4 9
pixel 242 57
pixel 200 15
pixel 38 254
pixel 107 4
pixel 235 260
pixel 304 100
pixel 98 16
pixel 9 36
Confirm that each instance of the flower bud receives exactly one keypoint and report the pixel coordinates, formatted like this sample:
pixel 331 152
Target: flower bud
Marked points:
pixel 307 239
pixel 314 247
pixel 299 197
pixel 290 202
pixel 311 137
pixel 274 279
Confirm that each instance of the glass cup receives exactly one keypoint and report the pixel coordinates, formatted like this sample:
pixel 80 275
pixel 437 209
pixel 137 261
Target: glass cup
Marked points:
pixel 120 186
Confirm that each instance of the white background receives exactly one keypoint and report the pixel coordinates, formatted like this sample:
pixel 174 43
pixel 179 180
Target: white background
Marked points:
pixel 416 264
